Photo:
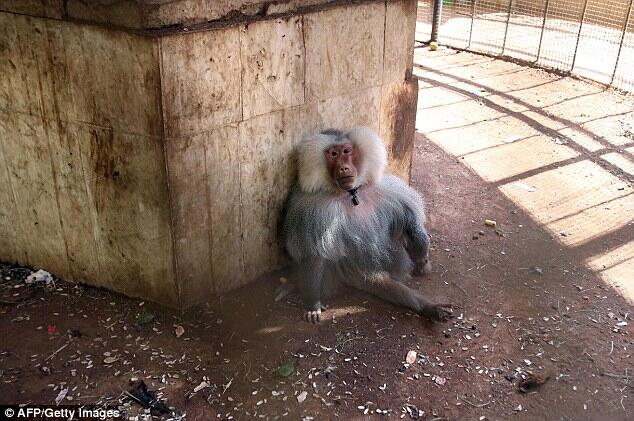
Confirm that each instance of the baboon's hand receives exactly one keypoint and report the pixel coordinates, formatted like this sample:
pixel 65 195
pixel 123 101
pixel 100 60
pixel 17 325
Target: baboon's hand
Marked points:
pixel 438 312
pixel 312 316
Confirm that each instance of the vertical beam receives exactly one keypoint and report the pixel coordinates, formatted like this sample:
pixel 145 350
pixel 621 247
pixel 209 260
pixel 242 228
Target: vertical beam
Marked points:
pixel 583 18
pixel 473 9
pixel 618 56
pixel 506 30
pixel 436 20
pixel 541 35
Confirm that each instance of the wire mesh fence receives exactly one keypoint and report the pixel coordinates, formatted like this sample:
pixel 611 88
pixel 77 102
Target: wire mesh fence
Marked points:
pixel 588 38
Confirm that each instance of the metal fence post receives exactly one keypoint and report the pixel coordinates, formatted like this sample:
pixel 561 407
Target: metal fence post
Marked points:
pixel 506 30
pixel 473 9
pixel 541 36
pixel 618 56
pixel 583 18
pixel 436 20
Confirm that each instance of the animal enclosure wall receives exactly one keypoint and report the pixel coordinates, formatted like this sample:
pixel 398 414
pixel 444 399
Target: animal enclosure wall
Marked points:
pixel 153 161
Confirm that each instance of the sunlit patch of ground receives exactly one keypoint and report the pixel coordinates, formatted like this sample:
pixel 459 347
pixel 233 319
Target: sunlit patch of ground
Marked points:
pixel 560 149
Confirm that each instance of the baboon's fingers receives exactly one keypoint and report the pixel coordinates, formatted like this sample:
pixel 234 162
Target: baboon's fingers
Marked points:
pixel 313 316
pixel 438 312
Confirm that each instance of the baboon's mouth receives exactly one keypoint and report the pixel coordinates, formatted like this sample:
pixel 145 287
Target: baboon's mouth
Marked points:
pixel 346 182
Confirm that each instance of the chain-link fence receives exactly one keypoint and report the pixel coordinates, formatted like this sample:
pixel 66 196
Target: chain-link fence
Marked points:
pixel 588 38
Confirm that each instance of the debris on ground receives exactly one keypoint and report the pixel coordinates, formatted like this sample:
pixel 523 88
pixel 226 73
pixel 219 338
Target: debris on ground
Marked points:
pixel 61 395
pixel 147 398
pixel 39 277
pixel 286 369
pixel 537 270
pixel 144 318
pixel 411 357
pixel 302 396
pixel 531 382
pixel 490 223
pixel 525 187
pixel 413 412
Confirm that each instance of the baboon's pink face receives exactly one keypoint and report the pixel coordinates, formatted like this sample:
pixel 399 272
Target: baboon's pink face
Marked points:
pixel 343 164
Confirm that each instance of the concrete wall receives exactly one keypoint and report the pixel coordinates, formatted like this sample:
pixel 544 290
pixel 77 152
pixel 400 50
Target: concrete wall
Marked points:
pixel 157 166
pixel 83 185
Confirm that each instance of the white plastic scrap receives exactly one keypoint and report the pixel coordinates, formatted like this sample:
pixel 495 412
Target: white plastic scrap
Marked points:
pixel 61 395
pixel 302 397
pixel 39 276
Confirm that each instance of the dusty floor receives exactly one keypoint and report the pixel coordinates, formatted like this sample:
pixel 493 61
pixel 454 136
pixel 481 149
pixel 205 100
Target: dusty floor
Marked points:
pixel 548 291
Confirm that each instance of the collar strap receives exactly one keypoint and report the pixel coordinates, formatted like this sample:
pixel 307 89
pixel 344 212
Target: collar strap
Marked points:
pixel 353 193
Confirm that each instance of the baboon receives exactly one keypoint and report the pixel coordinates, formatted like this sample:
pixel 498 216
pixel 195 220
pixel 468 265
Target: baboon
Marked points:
pixel 347 221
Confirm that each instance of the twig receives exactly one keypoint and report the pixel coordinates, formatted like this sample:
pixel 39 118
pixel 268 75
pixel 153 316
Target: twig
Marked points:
pixel 617 376
pixel 460 288
pixel 55 353
pixel 478 405
pixel 338 350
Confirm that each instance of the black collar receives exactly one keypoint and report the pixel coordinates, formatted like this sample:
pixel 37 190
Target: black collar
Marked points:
pixel 353 193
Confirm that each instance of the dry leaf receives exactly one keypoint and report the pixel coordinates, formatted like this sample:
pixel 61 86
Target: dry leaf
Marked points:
pixel 179 331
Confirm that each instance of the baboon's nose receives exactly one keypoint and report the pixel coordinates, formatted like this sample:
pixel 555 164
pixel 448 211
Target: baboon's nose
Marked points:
pixel 344 170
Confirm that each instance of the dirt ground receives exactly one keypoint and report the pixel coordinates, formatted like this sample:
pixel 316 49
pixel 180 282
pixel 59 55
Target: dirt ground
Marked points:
pixel 547 291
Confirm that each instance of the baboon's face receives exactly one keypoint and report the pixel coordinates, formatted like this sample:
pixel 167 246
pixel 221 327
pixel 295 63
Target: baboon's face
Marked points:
pixel 343 165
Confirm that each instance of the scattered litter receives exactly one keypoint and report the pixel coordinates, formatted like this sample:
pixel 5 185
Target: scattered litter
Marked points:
pixel 110 360
pixel 61 395
pixel 51 329
pixel 41 276
pixel 201 386
pixel 413 412
pixel 286 369
pixel 440 380
pixel 525 187
pixel 537 270
pixel 144 318
pixel 512 139
pixel 411 357
pixel 179 331
pixel 302 397
pixel 518 408
pixel 490 223
pixel 531 382
pixel 282 291
pixel 147 398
